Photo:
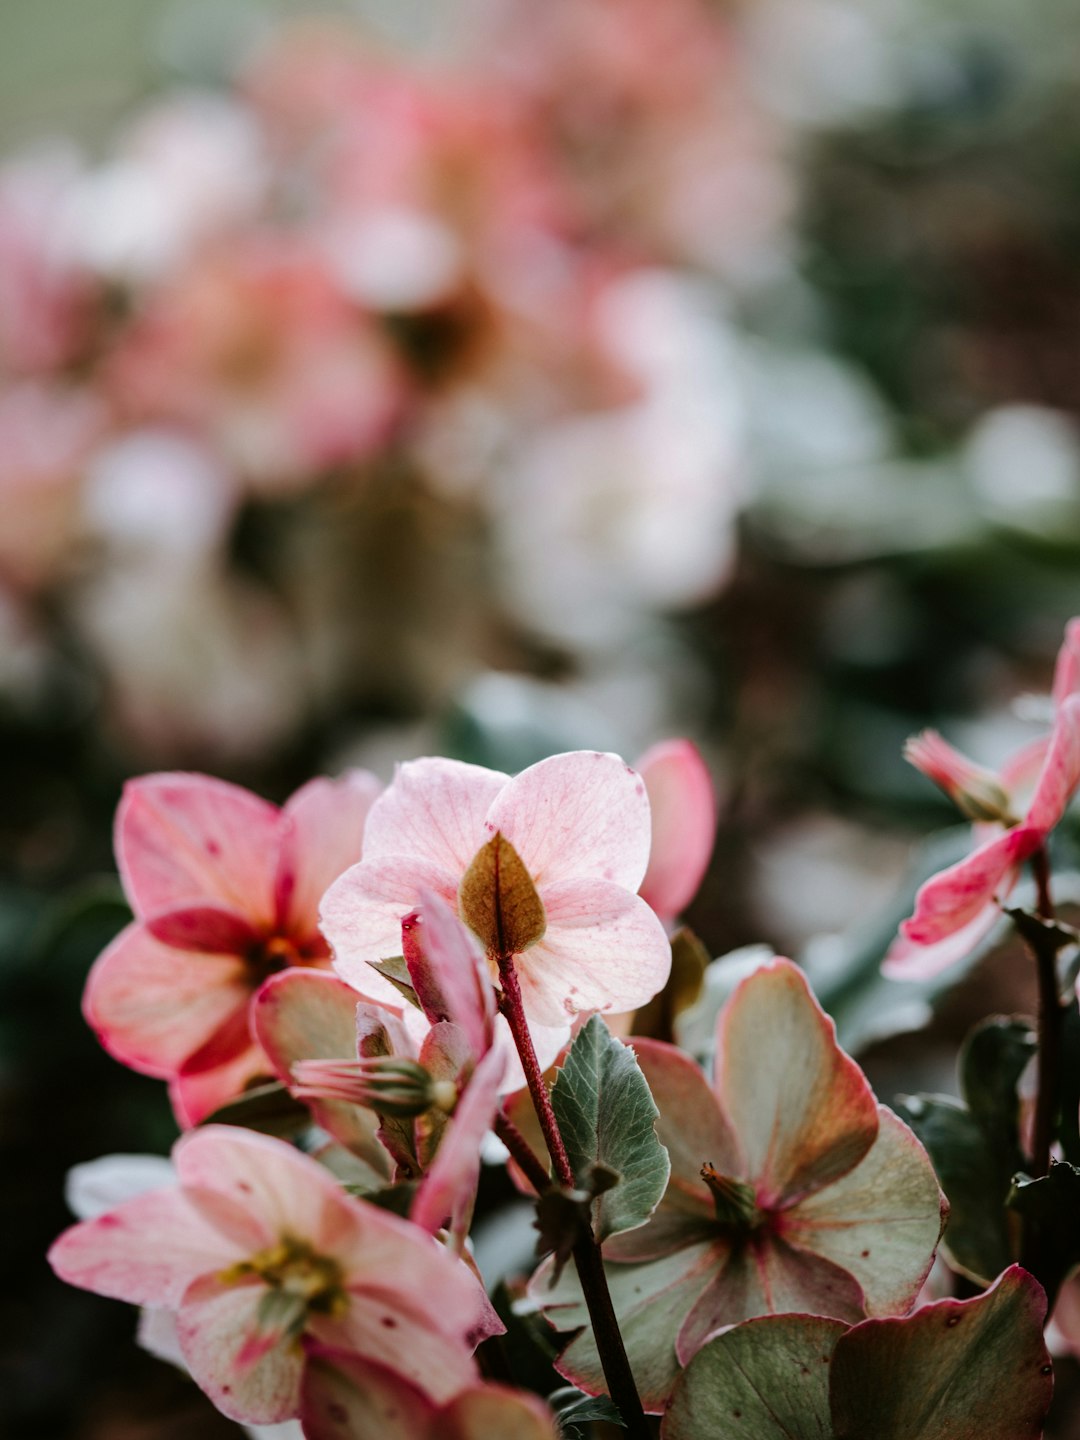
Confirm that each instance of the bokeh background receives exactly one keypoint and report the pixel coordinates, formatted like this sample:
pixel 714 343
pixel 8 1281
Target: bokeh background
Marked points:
pixel 493 379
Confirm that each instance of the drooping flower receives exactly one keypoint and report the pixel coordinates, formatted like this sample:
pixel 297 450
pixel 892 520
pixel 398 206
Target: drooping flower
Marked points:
pixel 260 1253
pixel 572 836
pixel 960 905
pixel 225 889
pixel 791 1190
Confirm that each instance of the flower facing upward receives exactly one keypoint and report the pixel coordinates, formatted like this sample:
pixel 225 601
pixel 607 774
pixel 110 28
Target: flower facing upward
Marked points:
pixel 260 1254
pixel 225 890
pixel 543 867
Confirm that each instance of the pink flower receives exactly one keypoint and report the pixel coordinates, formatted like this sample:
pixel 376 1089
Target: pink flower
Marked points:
pixel 960 906
pixel 579 824
pixel 225 889
pixel 259 1253
pixel 683 811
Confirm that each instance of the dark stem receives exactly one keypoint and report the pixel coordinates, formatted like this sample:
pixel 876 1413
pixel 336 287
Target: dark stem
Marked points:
pixel 588 1261
pixel 1045 950
pixel 526 1158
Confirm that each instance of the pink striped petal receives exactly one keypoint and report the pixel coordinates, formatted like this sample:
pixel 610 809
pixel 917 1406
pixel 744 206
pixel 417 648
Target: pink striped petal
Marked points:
pixel 205 929
pixel 152 1006
pixel 449 971
pixel 361 916
pixel 802 1109
pixel 322 835
pixel 183 839
pixel 604 949
pixel 448 1190
pixel 345 1397
pixel 433 811
pixel 1067 668
pixel 1060 774
pixel 907 960
pixel 579 816
pixel 954 897
pixel 146 1251
pixel 215 1326
pixel 683 809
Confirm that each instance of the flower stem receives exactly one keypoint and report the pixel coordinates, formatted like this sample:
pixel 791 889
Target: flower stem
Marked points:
pixel 1045 950
pixel 588 1261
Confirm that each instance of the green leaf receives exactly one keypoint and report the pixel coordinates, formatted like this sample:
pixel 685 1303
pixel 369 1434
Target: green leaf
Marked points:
pixel 767 1379
pixel 573 1410
pixel 394 969
pixel 992 1059
pixel 269 1109
pixel 607 1117
pixel 498 900
pixel 1049 1207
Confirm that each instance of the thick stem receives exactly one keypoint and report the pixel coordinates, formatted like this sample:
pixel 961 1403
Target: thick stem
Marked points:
pixel 588 1261
pixel 1045 951
pixel 526 1158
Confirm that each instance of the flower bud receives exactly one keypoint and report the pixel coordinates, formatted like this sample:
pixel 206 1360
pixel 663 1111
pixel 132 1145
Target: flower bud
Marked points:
pixel 976 792
pixel 388 1084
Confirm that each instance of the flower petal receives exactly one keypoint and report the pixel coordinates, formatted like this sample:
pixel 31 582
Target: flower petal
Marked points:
pixel 955 896
pixel 215 1325
pixel 604 949
pixel 433 811
pixel 322 835
pixel 1067 666
pixel 203 929
pixel 802 1109
pixel 346 1397
pixel 152 1006
pixel 448 1189
pixel 907 960
pixel 187 838
pixel 1060 774
pixel 683 810
pixel 485 1411
pixel 202 1087
pixel 146 1251
pixel 578 816
pixel 881 1222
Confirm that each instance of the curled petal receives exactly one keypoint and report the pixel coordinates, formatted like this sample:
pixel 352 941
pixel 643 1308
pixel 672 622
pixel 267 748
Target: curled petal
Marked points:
pixel 954 897
pixel 683 810
pixel 907 960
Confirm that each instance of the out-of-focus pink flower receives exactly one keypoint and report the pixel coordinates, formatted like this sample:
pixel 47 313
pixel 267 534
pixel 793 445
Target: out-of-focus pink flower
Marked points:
pixel 225 888
pixel 959 906
pixel 579 824
pixel 259 1252
pixel 683 810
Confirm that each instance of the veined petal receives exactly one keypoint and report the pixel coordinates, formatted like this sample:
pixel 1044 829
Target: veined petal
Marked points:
pixel 603 949
pixel 321 836
pixel 361 916
pixel 683 810
pixel 215 1325
pixel 187 838
pixel 146 1251
pixel 907 960
pixel 1060 774
pixel 433 811
pixel 152 1006
pixel 954 897
pixel 802 1109
pixel 881 1222
pixel 579 816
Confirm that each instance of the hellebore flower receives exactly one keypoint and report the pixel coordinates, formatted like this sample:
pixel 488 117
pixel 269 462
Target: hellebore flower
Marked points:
pixel 959 906
pixel 543 867
pixel 791 1190
pixel 225 890
pixel 259 1252
pixel 683 811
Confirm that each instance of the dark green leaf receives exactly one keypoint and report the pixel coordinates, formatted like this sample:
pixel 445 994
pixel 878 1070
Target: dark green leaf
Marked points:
pixel 1050 1208
pixel 607 1117
pixel 992 1059
pixel 269 1109
pixel 574 1410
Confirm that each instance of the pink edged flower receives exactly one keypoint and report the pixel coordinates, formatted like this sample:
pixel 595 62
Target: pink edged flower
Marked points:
pixel 260 1254
pixel 791 1189
pixel 683 810
pixel 958 907
pixel 572 837
pixel 345 1397
pixel 225 888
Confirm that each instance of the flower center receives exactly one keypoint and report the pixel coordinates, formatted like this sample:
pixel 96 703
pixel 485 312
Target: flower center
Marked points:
pixel 296 1274
pixel 735 1202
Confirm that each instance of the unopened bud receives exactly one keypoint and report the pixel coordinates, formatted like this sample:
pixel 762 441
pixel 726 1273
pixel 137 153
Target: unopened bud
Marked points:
pixel 734 1200
pixel 976 792
pixel 388 1084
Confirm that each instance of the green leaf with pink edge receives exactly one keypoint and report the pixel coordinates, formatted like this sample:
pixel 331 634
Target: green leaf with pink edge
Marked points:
pixel 955 1370
pixel 607 1117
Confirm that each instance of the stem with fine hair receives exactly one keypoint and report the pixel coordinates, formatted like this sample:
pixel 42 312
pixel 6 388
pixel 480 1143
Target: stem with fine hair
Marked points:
pixel 588 1261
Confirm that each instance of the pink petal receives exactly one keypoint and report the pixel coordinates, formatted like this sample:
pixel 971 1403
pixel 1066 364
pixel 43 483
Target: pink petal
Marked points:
pixel 322 835
pixel 310 1015
pixel 954 897
pixel 683 809
pixel 433 812
pixel 579 816
pixel 146 1251
pixel 802 1109
pixel 448 1190
pixel 1060 774
pixel 449 970
pixel 344 1397
pixel 361 916
pixel 215 1325
pixel 184 839
pixel 152 1006
pixel 486 1411
pixel 204 929
pixel 1067 668
pixel 206 1083
pixel 604 949
pixel 907 960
